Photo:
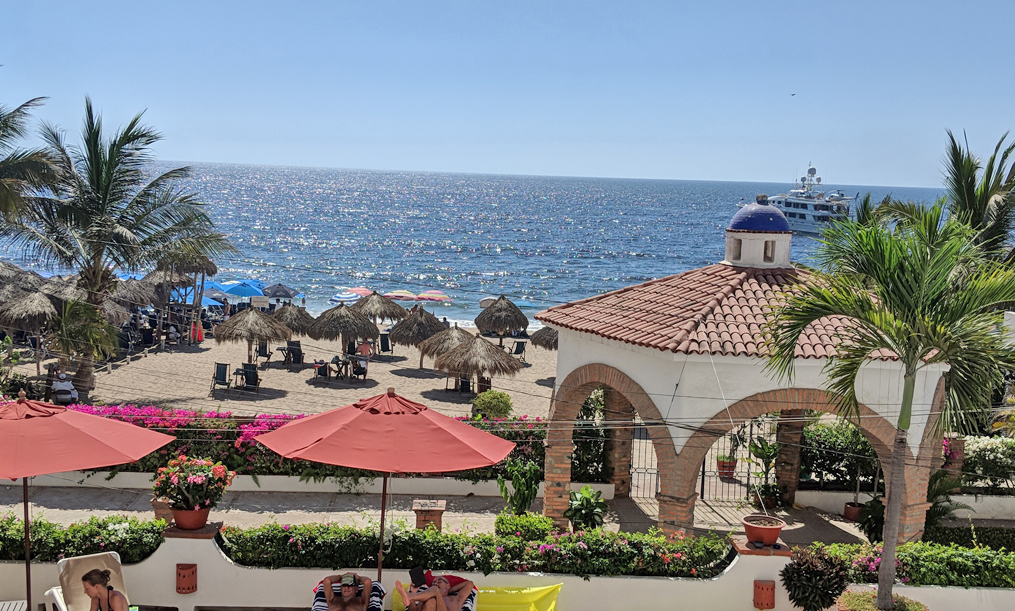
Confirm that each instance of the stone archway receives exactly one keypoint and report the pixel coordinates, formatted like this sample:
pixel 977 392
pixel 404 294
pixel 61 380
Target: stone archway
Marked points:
pixel 879 431
pixel 624 398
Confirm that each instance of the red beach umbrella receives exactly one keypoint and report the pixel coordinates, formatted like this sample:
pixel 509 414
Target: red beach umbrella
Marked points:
pixel 362 291
pixel 380 434
pixel 38 438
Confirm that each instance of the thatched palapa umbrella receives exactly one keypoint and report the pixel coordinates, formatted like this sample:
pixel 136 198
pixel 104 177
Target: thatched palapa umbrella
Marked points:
pixel 342 322
pixel 31 311
pixel 419 326
pixel 444 341
pixel 297 319
pixel 376 306
pixel 133 293
pixel 65 288
pixel 502 317
pixel 251 325
pixel 475 358
pixel 545 338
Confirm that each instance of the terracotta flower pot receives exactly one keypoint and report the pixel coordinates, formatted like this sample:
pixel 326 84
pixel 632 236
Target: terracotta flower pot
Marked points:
pixel 852 511
pixel 762 528
pixel 191 519
pixel 162 510
pixel 726 468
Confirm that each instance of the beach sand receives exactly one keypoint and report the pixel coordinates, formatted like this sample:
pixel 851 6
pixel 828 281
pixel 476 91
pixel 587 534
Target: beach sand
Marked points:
pixel 181 377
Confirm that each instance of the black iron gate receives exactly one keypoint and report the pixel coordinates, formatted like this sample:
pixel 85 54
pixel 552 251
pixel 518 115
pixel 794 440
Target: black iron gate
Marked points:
pixel 644 470
pixel 731 478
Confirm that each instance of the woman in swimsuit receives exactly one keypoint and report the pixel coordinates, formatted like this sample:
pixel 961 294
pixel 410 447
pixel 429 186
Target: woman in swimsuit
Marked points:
pixel 104 597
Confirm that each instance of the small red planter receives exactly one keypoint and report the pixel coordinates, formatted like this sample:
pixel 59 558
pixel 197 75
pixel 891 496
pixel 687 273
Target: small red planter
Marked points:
pixel 191 519
pixel 762 528
pixel 726 468
pixel 852 511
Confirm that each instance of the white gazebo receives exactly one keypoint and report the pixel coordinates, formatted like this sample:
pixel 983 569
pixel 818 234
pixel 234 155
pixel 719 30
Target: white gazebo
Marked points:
pixel 683 353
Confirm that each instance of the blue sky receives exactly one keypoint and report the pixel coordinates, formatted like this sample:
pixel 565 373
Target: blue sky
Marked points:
pixel 628 89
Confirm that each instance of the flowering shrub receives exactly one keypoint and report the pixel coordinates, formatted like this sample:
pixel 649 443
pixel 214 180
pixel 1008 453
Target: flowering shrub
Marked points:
pixel 530 527
pixel 583 553
pixel 133 539
pixel 989 462
pixel 192 483
pixel 931 564
pixel 223 437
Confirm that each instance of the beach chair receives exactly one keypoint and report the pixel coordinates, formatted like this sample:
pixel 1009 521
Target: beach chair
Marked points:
pixel 263 352
pixel 518 349
pixel 62 397
pixel 385 345
pixel 13 605
pixel 221 377
pixel 69 596
pixel 295 357
pixel 465 384
pixel 251 380
pixel 322 371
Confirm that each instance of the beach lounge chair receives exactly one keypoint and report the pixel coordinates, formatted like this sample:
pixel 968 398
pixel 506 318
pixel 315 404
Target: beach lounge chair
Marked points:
pixel 356 371
pixel 221 377
pixel 375 602
pixel 295 357
pixel 13 605
pixel 62 397
pixel 69 596
pixel 263 352
pixel 385 345
pixel 518 349
pixel 251 381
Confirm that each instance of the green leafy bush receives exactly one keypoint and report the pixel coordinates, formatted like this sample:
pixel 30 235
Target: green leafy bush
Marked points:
pixel 590 461
pixel 524 485
pixel 813 579
pixel 872 520
pixel 931 564
pixel 530 527
pixel 586 509
pixel 865 601
pixel 133 539
pixel 835 453
pixel 994 537
pixel 583 553
pixel 492 404
pixel 12 382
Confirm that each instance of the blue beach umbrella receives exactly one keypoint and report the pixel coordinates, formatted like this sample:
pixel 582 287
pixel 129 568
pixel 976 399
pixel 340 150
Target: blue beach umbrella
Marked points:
pixel 347 298
pixel 244 290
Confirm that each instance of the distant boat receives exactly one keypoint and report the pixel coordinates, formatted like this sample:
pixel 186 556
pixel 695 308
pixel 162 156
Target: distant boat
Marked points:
pixel 809 211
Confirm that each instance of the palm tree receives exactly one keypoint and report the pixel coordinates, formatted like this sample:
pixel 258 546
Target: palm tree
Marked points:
pixel 81 328
pixel 106 214
pixel 21 171
pixel 981 195
pixel 924 291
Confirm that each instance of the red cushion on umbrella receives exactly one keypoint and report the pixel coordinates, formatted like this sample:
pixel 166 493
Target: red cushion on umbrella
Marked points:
pixel 38 438
pixel 388 433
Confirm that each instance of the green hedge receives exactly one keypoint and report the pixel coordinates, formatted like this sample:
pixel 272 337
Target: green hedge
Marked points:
pixel 932 564
pixel 994 537
pixel 133 539
pixel 584 553
pixel 834 453
pixel 531 526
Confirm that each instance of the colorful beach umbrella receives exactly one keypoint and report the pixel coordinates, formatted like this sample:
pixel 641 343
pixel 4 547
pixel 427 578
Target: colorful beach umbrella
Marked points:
pixel 279 291
pixel 37 438
pixel 244 290
pixel 347 297
pixel 401 295
pixel 371 434
pixel 433 296
pixel 362 291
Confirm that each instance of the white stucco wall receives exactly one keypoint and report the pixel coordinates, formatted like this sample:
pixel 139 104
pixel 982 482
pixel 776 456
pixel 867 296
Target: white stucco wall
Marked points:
pixel 691 389
pixel 983 507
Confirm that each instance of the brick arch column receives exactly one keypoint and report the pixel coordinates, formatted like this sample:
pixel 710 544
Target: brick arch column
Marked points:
pixel 622 392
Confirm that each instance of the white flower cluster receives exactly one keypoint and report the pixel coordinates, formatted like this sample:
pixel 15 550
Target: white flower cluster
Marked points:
pixel 991 458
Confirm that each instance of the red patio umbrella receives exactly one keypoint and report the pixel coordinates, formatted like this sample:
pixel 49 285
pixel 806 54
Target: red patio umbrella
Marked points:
pixel 37 438
pixel 377 433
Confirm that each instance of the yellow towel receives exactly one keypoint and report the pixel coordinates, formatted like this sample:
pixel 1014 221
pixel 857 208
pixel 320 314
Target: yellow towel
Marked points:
pixel 543 598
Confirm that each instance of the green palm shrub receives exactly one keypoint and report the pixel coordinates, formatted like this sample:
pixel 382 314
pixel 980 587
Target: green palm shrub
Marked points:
pixel 586 509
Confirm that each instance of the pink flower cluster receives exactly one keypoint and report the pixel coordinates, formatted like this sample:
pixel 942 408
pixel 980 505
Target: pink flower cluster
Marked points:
pixel 263 423
pixel 150 416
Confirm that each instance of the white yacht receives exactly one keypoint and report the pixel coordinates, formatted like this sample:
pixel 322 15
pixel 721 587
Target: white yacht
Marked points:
pixel 809 210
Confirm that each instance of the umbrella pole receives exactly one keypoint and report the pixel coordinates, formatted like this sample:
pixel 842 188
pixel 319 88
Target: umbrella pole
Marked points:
pixel 38 353
pixel 28 546
pixel 384 502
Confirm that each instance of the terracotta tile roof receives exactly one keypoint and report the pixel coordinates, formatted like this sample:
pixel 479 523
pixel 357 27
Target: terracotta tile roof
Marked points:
pixel 718 309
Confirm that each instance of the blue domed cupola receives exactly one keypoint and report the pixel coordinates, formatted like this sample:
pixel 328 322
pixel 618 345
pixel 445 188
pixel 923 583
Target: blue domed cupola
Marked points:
pixel 758 236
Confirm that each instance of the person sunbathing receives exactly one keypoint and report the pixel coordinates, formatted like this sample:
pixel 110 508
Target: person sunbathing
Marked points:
pixel 103 597
pixel 441 596
pixel 356 593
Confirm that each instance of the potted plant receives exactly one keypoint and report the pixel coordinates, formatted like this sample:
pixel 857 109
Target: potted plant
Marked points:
pixel 761 527
pixel 727 463
pixel 813 579
pixel 764 452
pixel 192 486
pixel 586 509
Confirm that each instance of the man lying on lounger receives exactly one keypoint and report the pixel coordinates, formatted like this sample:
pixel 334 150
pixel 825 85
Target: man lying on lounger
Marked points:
pixel 440 596
pixel 355 594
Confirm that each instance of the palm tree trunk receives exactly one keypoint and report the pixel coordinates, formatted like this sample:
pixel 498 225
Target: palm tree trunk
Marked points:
pixel 896 491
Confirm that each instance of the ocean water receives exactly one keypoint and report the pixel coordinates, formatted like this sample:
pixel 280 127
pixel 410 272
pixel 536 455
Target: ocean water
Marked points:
pixel 544 240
